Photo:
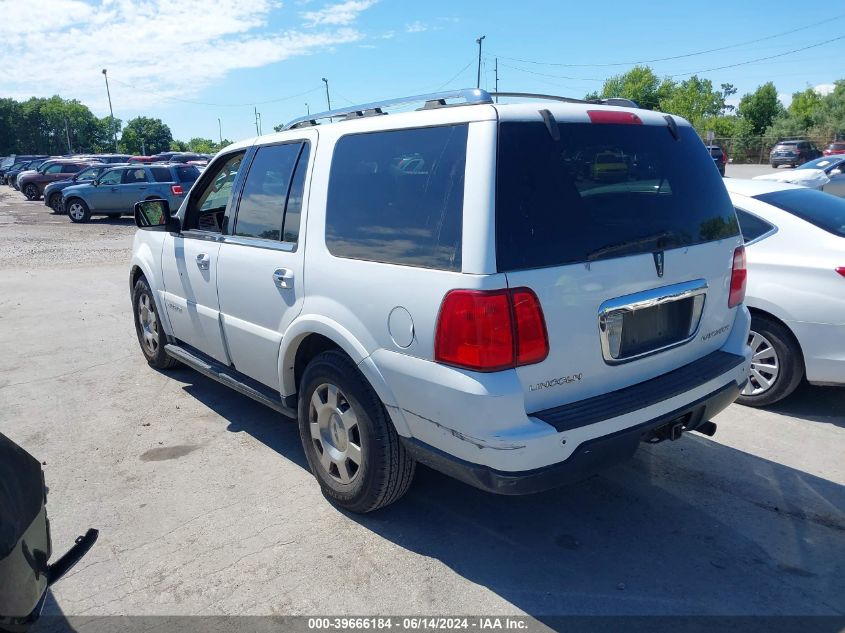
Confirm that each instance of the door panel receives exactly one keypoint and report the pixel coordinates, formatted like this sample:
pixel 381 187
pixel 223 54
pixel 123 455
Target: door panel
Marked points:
pixel 189 266
pixel 836 186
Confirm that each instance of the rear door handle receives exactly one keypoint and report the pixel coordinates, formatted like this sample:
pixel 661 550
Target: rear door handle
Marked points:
pixel 283 278
pixel 203 261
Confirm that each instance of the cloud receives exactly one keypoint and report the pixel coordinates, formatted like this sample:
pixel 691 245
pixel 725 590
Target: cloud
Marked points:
pixel 156 50
pixel 337 14
pixel 416 27
pixel 824 89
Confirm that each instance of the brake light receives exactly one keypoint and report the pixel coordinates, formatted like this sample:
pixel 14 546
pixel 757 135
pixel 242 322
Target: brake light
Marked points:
pixel 490 330
pixel 739 275
pixel 617 117
pixel 841 270
pixel 724 158
pixel 177 190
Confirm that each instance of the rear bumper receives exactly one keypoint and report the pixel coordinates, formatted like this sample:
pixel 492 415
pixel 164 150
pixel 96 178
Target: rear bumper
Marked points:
pixel 784 160
pixel 589 458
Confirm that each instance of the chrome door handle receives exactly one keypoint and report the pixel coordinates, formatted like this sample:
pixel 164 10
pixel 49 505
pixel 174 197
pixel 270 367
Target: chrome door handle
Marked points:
pixel 283 278
pixel 203 261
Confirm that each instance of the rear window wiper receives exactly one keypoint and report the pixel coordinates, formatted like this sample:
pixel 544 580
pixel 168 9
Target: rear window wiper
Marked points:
pixel 661 240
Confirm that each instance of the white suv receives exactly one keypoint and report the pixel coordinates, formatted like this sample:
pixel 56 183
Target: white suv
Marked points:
pixel 473 286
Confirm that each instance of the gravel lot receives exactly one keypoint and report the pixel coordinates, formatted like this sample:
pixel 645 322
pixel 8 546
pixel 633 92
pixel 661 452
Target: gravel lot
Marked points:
pixel 204 505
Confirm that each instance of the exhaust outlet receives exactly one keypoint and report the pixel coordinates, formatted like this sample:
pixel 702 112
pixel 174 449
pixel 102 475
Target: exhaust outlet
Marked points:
pixel 707 428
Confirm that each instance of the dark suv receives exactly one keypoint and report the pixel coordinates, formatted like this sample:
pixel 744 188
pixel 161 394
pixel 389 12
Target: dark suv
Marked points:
pixel 720 158
pixel 793 152
pixel 115 192
pixel 32 184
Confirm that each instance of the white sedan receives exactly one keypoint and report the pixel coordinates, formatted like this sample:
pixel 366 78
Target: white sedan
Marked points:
pixel 795 248
pixel 826 173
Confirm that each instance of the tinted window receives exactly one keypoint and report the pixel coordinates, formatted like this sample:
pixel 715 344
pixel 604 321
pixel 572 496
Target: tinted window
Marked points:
pixel 826 163
pixel 161 174
pixel 111 177
pixel 208 208
pixel 88 174
pixel 53 169
pixel 187 174
pixel 559 202
pixel 262 206
pixel 70 169
pixel 751 226
pixel 132 176
pixel 816 207
pixel 293 209
pixel 397 197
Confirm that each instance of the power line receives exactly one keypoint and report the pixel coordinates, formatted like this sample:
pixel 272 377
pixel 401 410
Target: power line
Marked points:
pixel 457 74
pixel 673 57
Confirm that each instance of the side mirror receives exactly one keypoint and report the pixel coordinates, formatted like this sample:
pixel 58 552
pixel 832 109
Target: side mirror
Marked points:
pixel 155 215
pixel 836 172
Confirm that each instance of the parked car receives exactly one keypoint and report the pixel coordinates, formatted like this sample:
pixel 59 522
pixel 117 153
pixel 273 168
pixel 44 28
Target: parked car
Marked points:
pixel 795 245
pixel 53 191
pixel 824 174
pixel 793 152
pixel 140 159
pixel 14 167
pixel 32 166
pixel 113 158
pixel 720 158
pixel 115 191
pixel 163 157
pixel 14 159
pixel 837 147
pixel 572 319
pixel 32 185
pixel 25 540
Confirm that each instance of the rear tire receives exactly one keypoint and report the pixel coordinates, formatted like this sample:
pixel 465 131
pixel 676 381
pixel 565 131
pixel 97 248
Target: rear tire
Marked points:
pixel 349 440
pixel 78 211
pixel 777 364
pixel 151 335
pixel 56 203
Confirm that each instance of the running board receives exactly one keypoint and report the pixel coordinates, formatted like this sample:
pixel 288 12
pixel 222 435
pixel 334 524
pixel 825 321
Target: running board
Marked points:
pixel 229 377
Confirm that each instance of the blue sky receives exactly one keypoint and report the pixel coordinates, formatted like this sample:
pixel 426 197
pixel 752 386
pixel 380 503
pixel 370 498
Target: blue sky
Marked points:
pixel 225 57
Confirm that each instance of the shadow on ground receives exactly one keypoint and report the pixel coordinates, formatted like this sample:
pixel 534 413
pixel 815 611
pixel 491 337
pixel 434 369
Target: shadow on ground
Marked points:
pixel 685 527
pixel 817 404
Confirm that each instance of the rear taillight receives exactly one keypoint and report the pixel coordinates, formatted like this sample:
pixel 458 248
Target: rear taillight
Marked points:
pixel 724 158
pixel 739 275
pixel 177 190
pixel 841 270
pixel 490 330
pixel 618 117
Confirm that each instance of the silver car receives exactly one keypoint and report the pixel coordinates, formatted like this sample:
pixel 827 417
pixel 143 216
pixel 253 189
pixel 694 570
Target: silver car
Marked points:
pixel 795 249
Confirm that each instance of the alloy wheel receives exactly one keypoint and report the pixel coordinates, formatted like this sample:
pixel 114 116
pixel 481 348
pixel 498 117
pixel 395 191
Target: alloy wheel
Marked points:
pixel 335 433
pixel 765 365
pixel 149 324
pixel 76 211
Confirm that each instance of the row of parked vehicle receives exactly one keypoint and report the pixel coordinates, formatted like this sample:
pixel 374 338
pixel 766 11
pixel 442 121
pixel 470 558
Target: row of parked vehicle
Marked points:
pixel 105 184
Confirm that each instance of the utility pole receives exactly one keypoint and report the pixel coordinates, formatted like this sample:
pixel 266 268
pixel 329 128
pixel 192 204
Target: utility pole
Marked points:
pixel 143 148
pixel 259 124
pixel 220 130
pixel 67 136
pixel 307 109
pixel 478 41
pixel 257 133
pixel 111 112
pixel 328 98
pixel 497 79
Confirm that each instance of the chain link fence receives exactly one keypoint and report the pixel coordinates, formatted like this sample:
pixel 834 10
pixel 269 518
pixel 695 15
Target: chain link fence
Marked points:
pixel 755 150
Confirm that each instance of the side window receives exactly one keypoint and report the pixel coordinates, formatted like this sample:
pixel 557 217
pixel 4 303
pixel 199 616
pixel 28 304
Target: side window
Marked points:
pixel 752 226
pixel 293 210
pixel 54 169
pixel 111 177
pixel 397 197
pixel 132 176
pixel 208 206
pixel 161 174
pixel 262 205
pixel 70 169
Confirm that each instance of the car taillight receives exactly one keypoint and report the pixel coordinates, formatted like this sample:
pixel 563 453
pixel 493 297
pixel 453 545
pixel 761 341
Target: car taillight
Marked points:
pixel 614 117
pixel 177 190
pixel 725 158
pixel 841 270
pixel 490 330
pixel 739 275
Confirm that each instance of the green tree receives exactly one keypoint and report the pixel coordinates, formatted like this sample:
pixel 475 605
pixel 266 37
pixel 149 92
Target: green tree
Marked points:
pixel 761 107
pixel 695 100
pixel 152 133
pixel 640 84
pixel 805 107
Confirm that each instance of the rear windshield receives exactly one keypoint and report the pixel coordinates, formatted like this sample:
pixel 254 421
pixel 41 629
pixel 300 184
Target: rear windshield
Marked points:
pixel 816 207
pixel 559 202
pixel 187 174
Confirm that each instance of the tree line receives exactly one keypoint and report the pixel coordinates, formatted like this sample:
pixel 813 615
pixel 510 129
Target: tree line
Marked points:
pixel 56 126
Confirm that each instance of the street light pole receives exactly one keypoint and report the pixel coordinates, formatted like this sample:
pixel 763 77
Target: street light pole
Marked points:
pixel 328 98
pixel 478 41
pixel 220 130
pixel 307 109
pixel 111 112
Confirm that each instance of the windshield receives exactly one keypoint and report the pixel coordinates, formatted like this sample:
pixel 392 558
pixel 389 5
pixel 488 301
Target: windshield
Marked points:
pixel 603 191
pixel 816 207
pixel 825 163
pixel 88 174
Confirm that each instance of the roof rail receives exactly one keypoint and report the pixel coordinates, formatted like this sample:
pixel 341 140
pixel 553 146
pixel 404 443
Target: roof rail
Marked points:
pixel 430 101
pixel 612 101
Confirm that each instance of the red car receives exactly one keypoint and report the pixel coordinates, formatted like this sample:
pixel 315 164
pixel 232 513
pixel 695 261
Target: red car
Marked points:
pixel 837 147
pixel 32 185
pixel 140 159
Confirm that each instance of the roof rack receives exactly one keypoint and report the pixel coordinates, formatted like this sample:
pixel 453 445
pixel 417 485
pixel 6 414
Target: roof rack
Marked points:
pixel 429 101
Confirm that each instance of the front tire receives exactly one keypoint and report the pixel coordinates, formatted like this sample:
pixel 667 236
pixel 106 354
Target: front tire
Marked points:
pixel 78 211
pixel 151 336
pixel 56 203
pixel 349 440
pixel 31 192
pixel 777 364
